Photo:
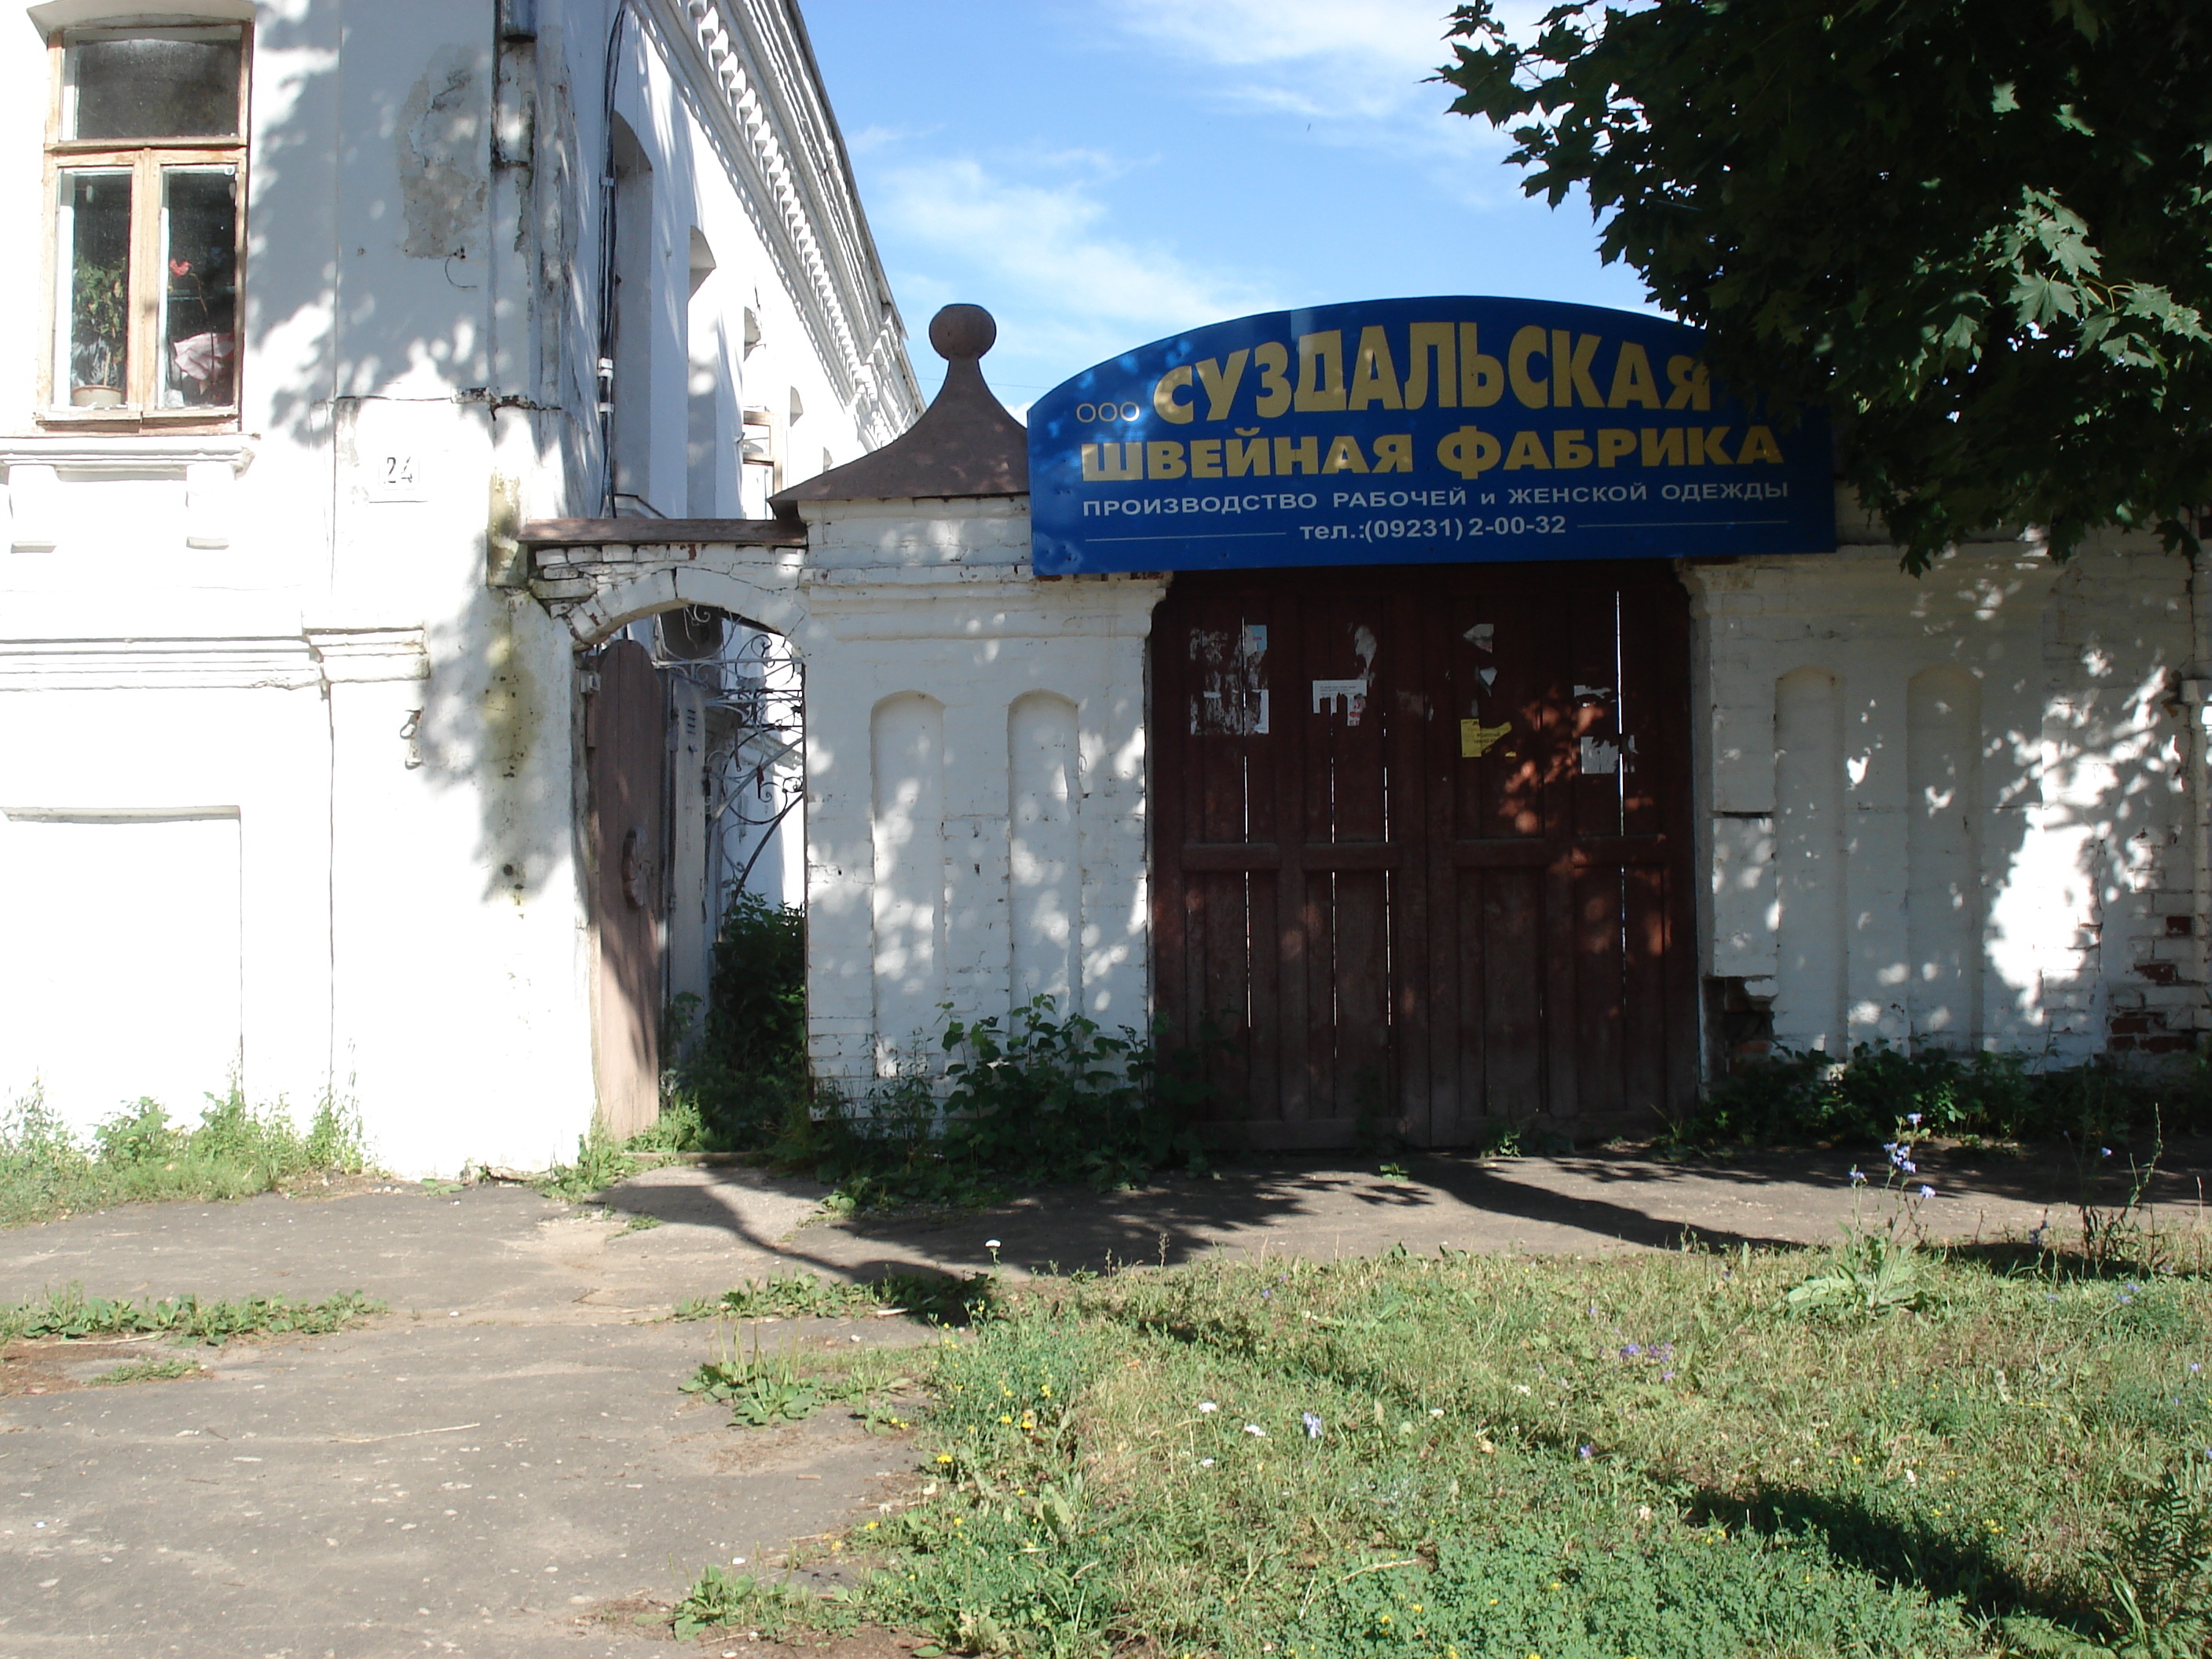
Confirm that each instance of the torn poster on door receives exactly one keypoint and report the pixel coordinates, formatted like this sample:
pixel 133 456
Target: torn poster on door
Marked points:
pixel 1352 694
pixel 1600 757
pixel 1476 740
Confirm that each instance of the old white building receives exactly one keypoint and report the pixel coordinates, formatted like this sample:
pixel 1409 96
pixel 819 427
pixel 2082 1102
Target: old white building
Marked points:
pixel 445 439
pixel 1716 800
pixel 314 302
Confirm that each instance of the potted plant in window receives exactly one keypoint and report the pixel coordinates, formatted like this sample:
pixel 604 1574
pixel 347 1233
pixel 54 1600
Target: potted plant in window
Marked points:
pixel 100 312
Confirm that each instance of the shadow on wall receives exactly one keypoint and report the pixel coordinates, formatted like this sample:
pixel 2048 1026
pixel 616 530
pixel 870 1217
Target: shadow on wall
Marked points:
pixel 2019 874
pixel 373 232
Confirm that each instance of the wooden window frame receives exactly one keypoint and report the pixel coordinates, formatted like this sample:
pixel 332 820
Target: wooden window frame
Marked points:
pixel 146 161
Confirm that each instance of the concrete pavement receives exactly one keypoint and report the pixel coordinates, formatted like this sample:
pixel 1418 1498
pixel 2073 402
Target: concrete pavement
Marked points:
pixel 502 1464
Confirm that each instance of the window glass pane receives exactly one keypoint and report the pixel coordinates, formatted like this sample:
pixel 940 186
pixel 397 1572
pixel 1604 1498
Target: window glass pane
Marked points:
pixel 169 84
pixel 199 293
pixel 95 371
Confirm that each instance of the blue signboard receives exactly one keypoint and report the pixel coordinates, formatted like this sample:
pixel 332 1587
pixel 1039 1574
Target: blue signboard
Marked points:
pixel 1417 431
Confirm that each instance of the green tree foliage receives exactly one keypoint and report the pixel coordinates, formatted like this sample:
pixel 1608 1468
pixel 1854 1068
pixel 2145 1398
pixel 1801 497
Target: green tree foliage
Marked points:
pixel 1978 231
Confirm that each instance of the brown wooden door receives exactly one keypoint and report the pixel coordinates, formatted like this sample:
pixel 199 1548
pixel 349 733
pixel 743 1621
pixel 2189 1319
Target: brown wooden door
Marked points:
pixel 626 738
pixel 1421 846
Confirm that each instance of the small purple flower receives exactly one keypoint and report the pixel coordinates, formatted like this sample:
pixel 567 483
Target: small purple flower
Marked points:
pixel 2125 1298
pixel 1631 1350
pixel 2104 1151
pixel 1585 1453
pixel 1926 1192
pixel 1666 1377
pixel 1313 1424
pixel 2195 1367
pixel 1913 1118
pixel 1266 1296
pixel 1858 1175
pixel 1910 1167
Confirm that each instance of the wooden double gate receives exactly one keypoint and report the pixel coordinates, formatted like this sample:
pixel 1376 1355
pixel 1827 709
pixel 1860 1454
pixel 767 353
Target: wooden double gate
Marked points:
pixel 1422 846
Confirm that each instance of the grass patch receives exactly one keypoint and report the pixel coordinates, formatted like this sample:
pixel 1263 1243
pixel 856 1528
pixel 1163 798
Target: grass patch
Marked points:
pixel 146 1371
pixel 1658 1456
pixel 139 1156
pixel 71 1313
pixel 941 1299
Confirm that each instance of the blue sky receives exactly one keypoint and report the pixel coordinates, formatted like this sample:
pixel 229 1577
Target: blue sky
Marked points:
pixel 1101 174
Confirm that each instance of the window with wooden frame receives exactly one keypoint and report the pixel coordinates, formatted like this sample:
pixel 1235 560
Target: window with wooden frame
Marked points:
pixel 146 177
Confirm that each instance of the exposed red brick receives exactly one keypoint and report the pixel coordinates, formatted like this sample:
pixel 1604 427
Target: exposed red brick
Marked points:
pixel 2158 972
pixel 2130 1024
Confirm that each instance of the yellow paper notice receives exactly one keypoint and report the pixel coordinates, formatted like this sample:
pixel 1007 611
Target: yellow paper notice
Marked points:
pixel 1476 740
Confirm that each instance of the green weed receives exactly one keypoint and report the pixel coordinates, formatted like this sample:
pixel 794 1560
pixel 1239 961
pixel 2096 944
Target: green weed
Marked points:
pixel 601 1161
pixel 718 1598
pixel 140 1155
pixel 147 1370
pixel 940 1299
pixel 1654 1456
pixel 70 1313
pixel 1796 1097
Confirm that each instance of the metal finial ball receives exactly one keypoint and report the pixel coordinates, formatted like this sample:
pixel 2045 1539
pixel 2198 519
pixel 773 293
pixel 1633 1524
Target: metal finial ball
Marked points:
pixel 962 332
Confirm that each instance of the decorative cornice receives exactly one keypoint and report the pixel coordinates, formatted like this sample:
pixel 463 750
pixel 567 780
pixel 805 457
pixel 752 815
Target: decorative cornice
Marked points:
pixel 82 452
pixel 314 658
pixel 751 70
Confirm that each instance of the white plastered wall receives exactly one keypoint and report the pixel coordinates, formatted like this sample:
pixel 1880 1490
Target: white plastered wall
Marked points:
pixel 1955 809
pixel 272 623
pixel 976 821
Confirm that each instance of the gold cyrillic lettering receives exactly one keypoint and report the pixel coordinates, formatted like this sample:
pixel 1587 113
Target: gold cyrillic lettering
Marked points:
pixel 1467 451
pixel 1321 372
pixel 1568 449
pixel 1572 357
pixel 1758 444
pixel 1631 379
pixel 1163 460
pixel 1220 383
pixel 1393 452
pixel 1164 397
pixel 1248 455
pixel 1205 458
pixel 1705 446
pixel 1304 456
pixel 1343 456
pixel 1528 449
pixel 1693 386
pixel 1112 462
pixel 1534 390
pixel 1482 380
pixel 1662 446
pixel 1373 375
pixel 1428 341
pixel 1271 360
pixel 1613 443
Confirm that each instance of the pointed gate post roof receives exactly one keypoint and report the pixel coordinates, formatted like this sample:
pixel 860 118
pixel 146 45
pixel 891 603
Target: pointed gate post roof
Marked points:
pixel 965 444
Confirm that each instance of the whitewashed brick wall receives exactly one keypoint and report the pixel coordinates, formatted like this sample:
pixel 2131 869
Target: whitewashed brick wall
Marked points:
pixel 2081 889
pixel 935 601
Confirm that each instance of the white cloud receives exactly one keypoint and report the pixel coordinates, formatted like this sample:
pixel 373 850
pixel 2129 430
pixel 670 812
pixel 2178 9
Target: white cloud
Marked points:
pixel 1045 250
pixel 1360 71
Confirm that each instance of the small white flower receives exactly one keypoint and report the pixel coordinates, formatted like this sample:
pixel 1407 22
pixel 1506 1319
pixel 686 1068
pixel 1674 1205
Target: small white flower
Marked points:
pixel 1435 1411
pixel 1253 1428
pixel 990 1243
pixel 1911 1479
pixel 1206 1462
pixel 1207 1405
pixel 1520 1388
